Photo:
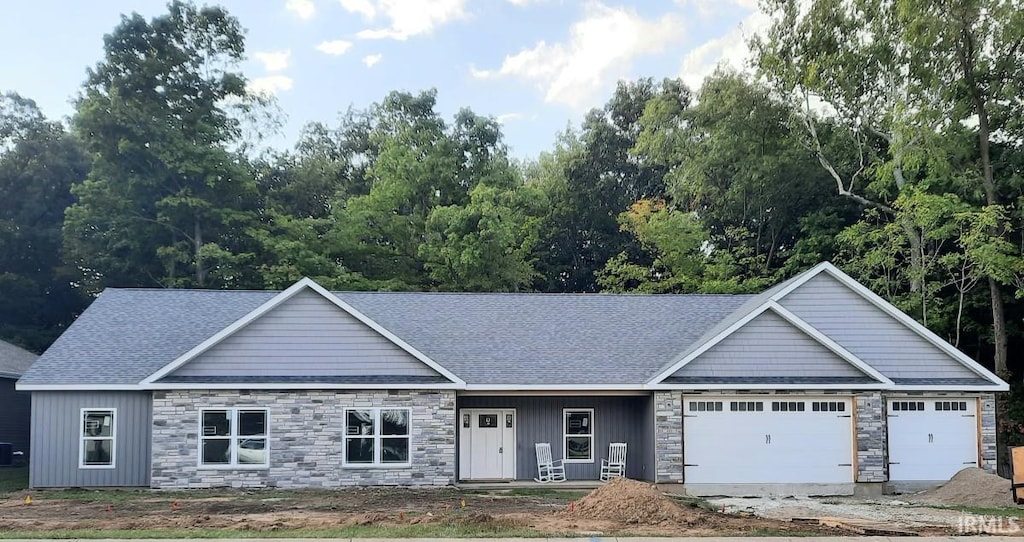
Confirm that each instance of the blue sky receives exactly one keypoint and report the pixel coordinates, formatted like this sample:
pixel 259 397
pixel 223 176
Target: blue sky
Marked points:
pixel 536 65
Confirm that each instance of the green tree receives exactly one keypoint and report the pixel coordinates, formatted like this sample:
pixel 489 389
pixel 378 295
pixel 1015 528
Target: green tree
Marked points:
pixel 732 159
pixel 166 203
pixel 590 178
pixel 905 79
pixel 38 163
pixel 486 245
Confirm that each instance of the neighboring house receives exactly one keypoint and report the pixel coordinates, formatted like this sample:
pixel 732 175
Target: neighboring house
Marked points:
pixel 15 406
pixel 817 384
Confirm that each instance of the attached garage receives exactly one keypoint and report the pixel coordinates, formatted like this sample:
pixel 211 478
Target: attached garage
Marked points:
pixel 931 439
pixel 776 439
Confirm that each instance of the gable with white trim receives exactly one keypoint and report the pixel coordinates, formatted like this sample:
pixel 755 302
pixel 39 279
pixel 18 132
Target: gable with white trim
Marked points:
pixel 769 347
pixel 305 337
pixel 869 333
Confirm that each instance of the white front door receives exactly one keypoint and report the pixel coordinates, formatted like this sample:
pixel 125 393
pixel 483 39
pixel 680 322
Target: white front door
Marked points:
pixel 931 439
pixel 487 444
pixel 767 439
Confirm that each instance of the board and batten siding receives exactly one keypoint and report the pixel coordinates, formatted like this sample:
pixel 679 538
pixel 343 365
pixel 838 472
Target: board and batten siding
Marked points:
pixel 56 430
pixel 14 422
pixel 305 335
pixel 767 346
pixel 539 419
pixel 868 332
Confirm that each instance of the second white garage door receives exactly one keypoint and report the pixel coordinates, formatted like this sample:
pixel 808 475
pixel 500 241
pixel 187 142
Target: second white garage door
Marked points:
pixel 767 440
pixel 931 439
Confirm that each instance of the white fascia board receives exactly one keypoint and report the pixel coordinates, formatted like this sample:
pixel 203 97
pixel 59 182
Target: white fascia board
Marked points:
pixel 563 392
pixel 228 331
pixel 802 278
pixel 827 342
pixel 553 387
pixel 77 387
pixel 953 389
pixel 708 344
pixel 387 334
pixel 768 387
pixel 899 315
pixel 274 302
pixel 296 386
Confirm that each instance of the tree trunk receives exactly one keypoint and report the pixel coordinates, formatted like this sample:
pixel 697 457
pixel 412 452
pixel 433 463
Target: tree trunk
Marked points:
pixel 967 65
pixel 197 240
pixel 998 328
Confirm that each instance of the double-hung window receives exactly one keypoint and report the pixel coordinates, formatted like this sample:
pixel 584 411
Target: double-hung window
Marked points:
pixel 233 437
pixel 97 439
pixel 578 435
pixel 376 437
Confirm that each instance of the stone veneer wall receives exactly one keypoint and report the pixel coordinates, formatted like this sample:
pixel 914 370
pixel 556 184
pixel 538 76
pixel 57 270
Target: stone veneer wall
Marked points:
pixel 872 465
pixel 988 432
pixel 305 434
pixel 668 437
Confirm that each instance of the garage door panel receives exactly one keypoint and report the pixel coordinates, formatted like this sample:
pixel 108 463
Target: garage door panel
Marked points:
pixel 768 440
pixel 931 439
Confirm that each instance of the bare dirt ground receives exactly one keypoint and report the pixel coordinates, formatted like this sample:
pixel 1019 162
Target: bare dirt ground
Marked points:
pixel 622 506
pixel 971 492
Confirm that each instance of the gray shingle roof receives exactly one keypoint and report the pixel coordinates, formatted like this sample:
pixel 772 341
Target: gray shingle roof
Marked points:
pixel 547 339
pixel 501 339
pixel 14 360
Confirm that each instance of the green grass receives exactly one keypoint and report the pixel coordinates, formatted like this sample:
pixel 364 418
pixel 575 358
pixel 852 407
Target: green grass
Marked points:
pixel 13 479
pixel 695 502
pixel 984 511
pixel 537 492
pixel 356 531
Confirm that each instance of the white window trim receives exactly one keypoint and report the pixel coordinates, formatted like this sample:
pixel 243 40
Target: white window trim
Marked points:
pixel 233 415
pixel 112 438
pixel 377 438
pixel 566 435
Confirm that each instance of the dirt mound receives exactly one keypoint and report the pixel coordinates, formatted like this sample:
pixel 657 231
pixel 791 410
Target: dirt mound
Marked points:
pixel 969 487
pixel 632 502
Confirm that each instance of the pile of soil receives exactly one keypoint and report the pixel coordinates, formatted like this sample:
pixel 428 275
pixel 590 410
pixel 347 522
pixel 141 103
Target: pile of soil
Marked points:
pixel 969 487
pixel 631 502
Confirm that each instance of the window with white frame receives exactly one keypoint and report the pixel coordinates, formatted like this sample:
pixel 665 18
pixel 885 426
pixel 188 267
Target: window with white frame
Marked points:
pixel 376 437
pixel 233 437
pixel 578 435
pixel 98 438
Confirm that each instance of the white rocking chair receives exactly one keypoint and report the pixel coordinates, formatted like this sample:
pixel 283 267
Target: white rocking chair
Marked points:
pixel 615 465
pixel 548 470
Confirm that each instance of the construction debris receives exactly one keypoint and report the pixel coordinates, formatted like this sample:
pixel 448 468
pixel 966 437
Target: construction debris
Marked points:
pixel 969 487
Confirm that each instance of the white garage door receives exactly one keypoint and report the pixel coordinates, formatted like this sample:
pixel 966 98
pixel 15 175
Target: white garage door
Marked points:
pixel 768 440
pixel 931 439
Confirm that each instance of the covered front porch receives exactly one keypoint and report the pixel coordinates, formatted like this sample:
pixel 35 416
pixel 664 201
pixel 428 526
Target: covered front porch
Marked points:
pixel 497 433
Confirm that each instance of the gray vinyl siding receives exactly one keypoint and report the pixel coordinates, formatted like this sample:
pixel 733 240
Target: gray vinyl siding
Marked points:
pixel 306 335
pixel 15 407
pixel 616 419
pixel 767 346
pixel 647 438
pixel 869 333
pixel 56 432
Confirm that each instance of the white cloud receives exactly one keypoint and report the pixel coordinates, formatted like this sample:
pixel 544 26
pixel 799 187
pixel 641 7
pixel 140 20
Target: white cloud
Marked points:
pixel 509 117
pixel 334 47
pixel 362 7
pixel 730 49
pixel 304 9
pixel 405 18
pixel 370 60
pixel 273 61
pixel 599 50
pixel 271 84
